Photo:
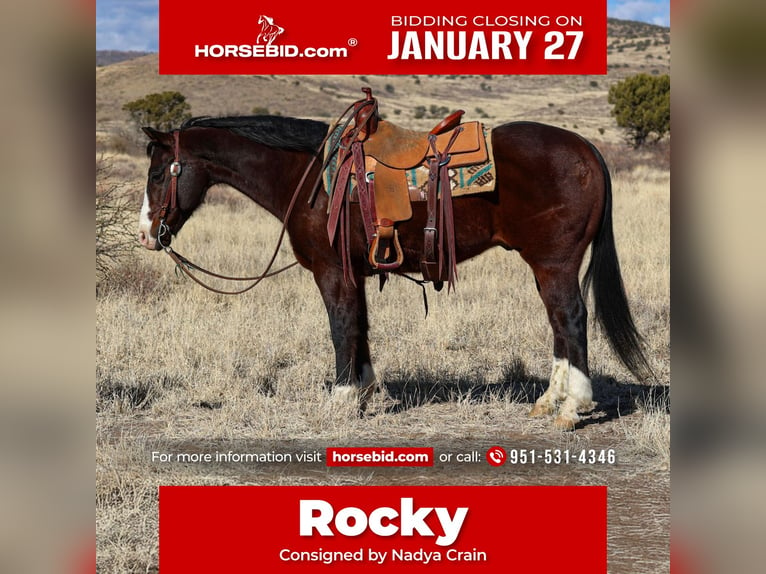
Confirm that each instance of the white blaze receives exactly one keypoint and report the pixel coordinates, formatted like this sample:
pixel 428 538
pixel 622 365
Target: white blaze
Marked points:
pixel 145 224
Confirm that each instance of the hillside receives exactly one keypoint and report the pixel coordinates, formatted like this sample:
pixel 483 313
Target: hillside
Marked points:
pixel 575 102
pixel 107 57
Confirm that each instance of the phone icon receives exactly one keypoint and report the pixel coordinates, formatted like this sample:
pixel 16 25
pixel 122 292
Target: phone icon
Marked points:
pixel 496 456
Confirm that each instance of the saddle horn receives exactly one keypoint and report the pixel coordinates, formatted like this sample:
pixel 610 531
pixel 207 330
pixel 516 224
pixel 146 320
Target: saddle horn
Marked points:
pixel 366 115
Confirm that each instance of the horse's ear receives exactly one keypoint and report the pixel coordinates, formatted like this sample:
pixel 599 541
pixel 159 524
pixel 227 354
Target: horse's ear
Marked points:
pixel 156 135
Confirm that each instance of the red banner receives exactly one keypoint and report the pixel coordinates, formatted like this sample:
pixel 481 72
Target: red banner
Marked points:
pixel 242 37
pixel 467 529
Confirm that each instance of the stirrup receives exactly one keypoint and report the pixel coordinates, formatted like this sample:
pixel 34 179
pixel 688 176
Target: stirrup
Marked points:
pixel 384 245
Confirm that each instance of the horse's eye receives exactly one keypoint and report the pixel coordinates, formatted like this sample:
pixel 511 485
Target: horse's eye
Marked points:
pixel 156 176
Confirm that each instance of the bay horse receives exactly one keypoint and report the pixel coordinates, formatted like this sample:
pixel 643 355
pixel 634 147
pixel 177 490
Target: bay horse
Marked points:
pixel 552 199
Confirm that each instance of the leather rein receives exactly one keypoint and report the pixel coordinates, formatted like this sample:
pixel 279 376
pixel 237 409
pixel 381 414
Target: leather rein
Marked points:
pixel 171 202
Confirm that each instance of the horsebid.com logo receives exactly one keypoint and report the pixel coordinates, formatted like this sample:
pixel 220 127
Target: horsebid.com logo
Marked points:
pixel 264 46
pixel 269 30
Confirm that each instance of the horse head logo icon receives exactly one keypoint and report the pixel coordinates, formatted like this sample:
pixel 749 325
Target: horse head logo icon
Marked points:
pixel 269 30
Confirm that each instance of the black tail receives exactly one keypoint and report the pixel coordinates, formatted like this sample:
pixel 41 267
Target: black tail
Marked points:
pixel 611 302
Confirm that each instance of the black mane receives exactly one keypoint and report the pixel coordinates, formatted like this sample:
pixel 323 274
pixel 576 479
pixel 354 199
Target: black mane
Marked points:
pixel 274 131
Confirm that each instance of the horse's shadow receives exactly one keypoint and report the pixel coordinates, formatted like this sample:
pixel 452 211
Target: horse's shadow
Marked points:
pixel 613 398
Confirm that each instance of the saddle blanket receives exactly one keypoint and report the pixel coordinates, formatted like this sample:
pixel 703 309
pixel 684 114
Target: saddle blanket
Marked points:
pixel 466 180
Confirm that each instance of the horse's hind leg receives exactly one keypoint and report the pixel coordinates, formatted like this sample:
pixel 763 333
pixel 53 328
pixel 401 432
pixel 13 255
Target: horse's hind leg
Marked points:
pixel 347 311
pixel 569 390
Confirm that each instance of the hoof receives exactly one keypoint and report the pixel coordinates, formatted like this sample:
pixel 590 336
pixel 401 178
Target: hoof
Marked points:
pixel 565 423
pixel 541 410
pixel 344 398
pixel 349 399
pixel 344 394
pixel 587 407
pixel 365 395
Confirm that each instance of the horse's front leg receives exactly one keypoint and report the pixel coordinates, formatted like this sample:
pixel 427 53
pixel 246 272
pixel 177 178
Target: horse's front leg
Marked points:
pixel 347 311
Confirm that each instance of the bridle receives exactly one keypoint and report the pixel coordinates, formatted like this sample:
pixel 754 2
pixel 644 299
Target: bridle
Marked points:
pixel 171 197
pixel 170 202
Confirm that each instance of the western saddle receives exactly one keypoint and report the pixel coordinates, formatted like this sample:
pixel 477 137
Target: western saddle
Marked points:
pixel 379 153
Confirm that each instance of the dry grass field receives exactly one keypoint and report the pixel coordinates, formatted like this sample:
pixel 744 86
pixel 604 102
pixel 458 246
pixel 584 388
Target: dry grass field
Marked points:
pixel 178 367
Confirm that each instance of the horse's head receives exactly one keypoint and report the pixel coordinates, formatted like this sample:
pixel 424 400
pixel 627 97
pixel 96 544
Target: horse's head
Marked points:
pixel 175 187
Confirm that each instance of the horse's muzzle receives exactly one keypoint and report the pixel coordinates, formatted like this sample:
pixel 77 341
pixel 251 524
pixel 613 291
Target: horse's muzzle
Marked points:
pixel 148 241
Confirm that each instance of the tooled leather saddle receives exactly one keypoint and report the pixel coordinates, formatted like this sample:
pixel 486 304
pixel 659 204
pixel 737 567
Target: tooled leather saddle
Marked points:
pixel 378 154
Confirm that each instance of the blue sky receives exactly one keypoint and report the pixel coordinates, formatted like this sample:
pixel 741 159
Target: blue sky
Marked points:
pixel 133 24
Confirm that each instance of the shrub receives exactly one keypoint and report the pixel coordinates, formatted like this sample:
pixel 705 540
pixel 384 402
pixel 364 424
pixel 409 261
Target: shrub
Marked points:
pixel 642 107
pixel 437 111
pixel 115 216
pixel 163 111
